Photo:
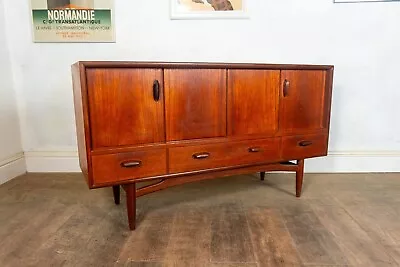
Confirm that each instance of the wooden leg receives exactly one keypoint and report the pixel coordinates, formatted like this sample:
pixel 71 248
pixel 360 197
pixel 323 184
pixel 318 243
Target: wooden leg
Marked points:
pixel 117 193
pixel 131 204
pixel 299 177
pixel 262 176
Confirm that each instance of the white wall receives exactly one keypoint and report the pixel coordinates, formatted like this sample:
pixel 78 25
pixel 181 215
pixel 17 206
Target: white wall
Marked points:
pixel 11 156
pixel 361 40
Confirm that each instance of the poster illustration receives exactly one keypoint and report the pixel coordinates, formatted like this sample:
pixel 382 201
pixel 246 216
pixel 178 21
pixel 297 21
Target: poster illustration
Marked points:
pixel 208 9
pixel 73 21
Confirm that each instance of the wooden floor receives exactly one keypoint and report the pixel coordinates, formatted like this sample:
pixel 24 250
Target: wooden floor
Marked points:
pixel 341 220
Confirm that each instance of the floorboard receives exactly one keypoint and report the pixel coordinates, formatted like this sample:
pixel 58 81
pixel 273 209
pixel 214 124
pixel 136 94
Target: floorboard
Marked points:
pixel 239 221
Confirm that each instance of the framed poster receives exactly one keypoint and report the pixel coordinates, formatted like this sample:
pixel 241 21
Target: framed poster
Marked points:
pixel 208 9
pixel 70 21
pixel 360 1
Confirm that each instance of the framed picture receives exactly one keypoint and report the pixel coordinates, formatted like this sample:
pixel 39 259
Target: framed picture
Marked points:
pixel 73 21
pixel 208 9
pixel 360 1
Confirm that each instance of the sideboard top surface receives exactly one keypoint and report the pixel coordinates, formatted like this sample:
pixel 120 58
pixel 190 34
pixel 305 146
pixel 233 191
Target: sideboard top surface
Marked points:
pixel 143 64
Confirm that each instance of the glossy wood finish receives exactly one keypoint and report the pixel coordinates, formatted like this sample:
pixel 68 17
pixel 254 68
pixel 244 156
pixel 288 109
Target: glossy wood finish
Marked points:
pixel 130 190
pixel 192 158
pixel 328 99
pixel 176 123
pixel 303 105
pixel 122 107
pixel 200 65
pixel 253 102
pixel 82 119
pixel 212 174
pixel 304 146
pixel 128 166
pixel 195 103
pixel 299 177
pixel 117 194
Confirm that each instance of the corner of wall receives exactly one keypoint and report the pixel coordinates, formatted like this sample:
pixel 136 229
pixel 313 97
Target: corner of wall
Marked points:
pixel 12 160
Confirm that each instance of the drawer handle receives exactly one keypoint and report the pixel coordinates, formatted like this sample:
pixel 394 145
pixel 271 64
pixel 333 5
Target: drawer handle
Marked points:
pixel 305 143
pixel 202 155
pixel 131 164
pixel 254 149
pixel 156 90
pixel 286 85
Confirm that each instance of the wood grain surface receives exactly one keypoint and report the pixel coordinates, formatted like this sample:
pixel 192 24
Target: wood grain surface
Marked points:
pixel 195 103
pixel 122 107
pixel 253 102
pixel 302 107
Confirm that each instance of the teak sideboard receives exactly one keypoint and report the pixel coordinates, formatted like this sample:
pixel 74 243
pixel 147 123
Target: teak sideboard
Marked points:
pixel 176 123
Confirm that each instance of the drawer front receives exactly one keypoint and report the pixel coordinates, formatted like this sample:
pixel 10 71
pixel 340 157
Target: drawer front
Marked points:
pixel 305 146
pixel 192 158
pixel 124 166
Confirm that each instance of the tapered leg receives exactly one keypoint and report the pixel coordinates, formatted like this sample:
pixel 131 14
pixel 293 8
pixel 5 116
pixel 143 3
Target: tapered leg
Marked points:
pixel 299 177
pixel 262 176
pixel 117 193
pixel 131 204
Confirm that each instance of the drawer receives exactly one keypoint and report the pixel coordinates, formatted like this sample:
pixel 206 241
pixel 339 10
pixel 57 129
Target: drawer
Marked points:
pixel 305 146
pixel 192 158
pixel 124 166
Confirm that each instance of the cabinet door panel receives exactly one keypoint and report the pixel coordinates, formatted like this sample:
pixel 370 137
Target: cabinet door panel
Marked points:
pixel 302 101
pixel 195 103
pixel 122 107
pixel 253 102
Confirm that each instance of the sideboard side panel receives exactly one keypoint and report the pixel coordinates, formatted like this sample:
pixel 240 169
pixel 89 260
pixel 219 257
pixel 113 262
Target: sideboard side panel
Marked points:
pixel 82 120
pixel 328 98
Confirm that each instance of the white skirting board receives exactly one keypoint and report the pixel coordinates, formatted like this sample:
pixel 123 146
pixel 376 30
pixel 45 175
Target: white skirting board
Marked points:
pixel 355 161
pixel 52 161
pixel 12 167
pixel 335 162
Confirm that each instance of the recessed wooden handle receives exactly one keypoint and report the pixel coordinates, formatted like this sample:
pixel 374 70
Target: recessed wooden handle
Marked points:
pixel 131 164
pixel 305 143
pixel 202 155
pixel 286 85
pixel 254 149
pixel 156 90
